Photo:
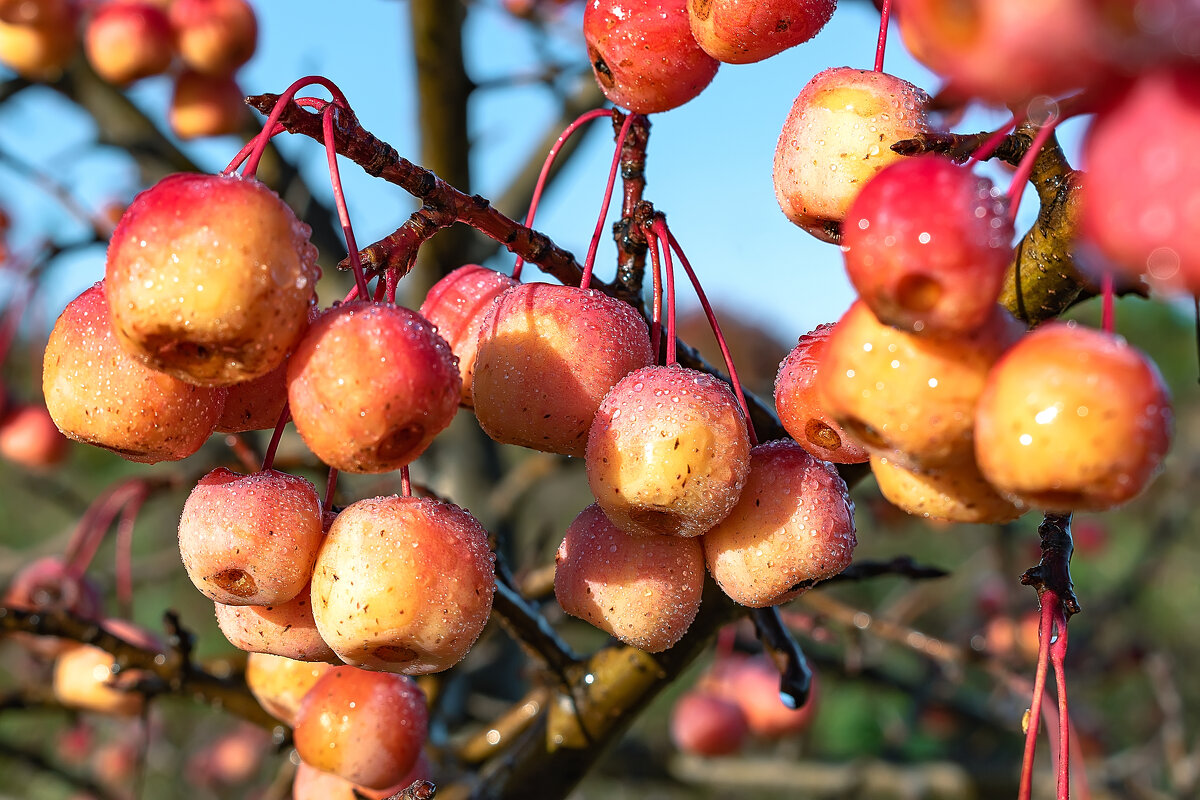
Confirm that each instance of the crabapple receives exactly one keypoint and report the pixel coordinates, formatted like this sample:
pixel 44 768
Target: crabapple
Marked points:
pixel 792 527
pixel 279 683
pixel 707 725
pixel 926 244
pixel 910 398
pixel 799 403
pixel 97 393
pixel 668 452
pixel 456 305
pixel 745 31
pixel 202 105
pixel 284 629
pixel 49 585
pixel 366 727
pixel 128 41
pixel 403 584
pixel 547 355
pixel 29 437
pixel 956 494
pixel 255 405
pixel 39 50
pixel 752 682
pixel 1141 192
pixel 209 278
pixel 1072 418
pixel 370 386
pixel 250 540
pixel 836 137
pixel 643 590
pixel 82 674
pixel 214 37
pixel 643 53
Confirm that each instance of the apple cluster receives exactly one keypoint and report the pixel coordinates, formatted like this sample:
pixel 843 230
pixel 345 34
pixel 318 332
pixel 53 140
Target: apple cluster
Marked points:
pixel 128 40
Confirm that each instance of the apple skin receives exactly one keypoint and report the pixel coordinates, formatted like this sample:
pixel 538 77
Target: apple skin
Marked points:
pixel 202 105
pixel 546 358
pixel 403 584
pixel 792 527
pixel 745 31
pixel 313 784
pixel 668 452
pixel 370 386
pixel 752 682
pixel 198 292
pixel 1072 419
pixel 907 397
pixel 705 724
pixel 957 494
pixel 366 727
pixel 214 37
pixel 279 683
pixel 128 41
pixel 643 590
pixel 98 394
pixel 799 403
pixel 29 437
pixel 284 629
pixel 643 53
pixel 82 673
pixel 1141 192
pixel 40 50
pixel 457 305
pixel 837 136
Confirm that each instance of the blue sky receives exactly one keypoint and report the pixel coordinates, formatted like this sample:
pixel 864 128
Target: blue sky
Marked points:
pixel 709 162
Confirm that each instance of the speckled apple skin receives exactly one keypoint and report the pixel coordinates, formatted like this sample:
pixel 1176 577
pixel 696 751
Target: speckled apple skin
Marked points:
pixel 957 494
pixel 799 403
pixel 745 31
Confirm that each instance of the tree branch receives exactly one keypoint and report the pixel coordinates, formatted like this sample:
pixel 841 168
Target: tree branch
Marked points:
pixel 1053 572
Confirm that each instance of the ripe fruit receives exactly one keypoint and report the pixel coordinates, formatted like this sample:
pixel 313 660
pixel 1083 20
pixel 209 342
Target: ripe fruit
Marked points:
pixel 707 725
pixel 47 585
pixel 927 243
pixel 284 629
pixel 753 683
pixel 403 584
pixel 547 355
pixel 82 674
pixel 644 590
pixel 29 437
pixel 202 105
pixel 910 398
pixel 214 37
pixel 31 12
pixel 1142 187
pixel 740 32
pixel 367 727
pixel 313 784
pixel 1072 419
pixel 643 54
pixel 370 385
pixel 792 527
pixel 456 305
pixel 668 452
pixel 956 494
pixel 127 41
pixel 209 278
pixel 278 683
pixel 1005 52
pixel 40 50
pixel 799 403
pixel 250 540
pixel 837 136
pixel 256 404
pixel 99 394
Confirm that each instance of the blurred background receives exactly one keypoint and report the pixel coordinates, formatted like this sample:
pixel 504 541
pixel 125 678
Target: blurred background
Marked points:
pixel 922 684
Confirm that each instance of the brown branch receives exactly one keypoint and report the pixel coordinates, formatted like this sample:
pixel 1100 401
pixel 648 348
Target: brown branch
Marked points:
pixel 31 758
pixel 173 671
pixel 1053 572
pixel 379 159
pixel 531 629
pixel 795 676
pixel 903 566
pixel 631 243
pixel 419 790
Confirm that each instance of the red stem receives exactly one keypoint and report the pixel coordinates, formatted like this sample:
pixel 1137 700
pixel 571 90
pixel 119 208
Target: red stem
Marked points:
pixel 656 302
pixel 716 327
pixel 276 435
pixel 669 272
pixel 584 118
pixel 1021 176
pixel 405 483
pixel 339 198
pixel 244 153
pixel 885 13
pixel 124 553
pixel 260 141
pixel 95 523
pixel 1058 654
pixel 1050 604
pixel 330 487
pixel 989 146
pixel 1107 319
pixel 586 280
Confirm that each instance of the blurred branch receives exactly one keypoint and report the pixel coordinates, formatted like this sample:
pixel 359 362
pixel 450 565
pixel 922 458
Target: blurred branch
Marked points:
pixel 21 754
pixel 903 566
pixel 171 672
pixel 53 187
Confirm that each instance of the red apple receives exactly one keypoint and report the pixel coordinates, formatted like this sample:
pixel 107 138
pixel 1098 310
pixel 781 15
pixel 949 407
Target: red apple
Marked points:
pixel 127 41
pixel 744 31
pixel 202 105
pixel 29 437
pixel 214 37
pixel 707 725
